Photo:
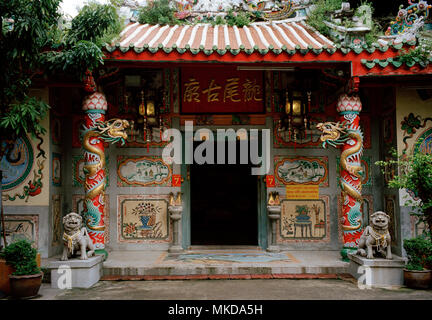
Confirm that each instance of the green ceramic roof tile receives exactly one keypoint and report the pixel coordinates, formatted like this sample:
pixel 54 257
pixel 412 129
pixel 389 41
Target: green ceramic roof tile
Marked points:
pixel 221 52
pixel 383 63
pixel 235 51
pixel 304 51
pixel 195 51
pixel 358 50
pixel 263 51
pixel 153 50
pixel 139 50
pixel 370 49
pixel 345 50
pixel 277 51
pixel 124 49
pixel 167 50
pixel 383 48
pixel 181 50
pixel 396 63
pixel 317 51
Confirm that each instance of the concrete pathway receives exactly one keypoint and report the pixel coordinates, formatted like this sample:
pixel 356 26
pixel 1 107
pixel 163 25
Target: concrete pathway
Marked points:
pixel 256 289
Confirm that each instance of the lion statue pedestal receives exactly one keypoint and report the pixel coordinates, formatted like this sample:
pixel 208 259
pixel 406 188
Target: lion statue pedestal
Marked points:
pixel 374 265
pixel 83 271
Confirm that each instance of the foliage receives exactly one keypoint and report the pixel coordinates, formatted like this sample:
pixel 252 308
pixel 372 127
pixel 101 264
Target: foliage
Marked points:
pixel 415 174
pixel 321 13
pixel 22 257
pixel 421 53
pixel 239 19
pixel 26 29
pixel 158 12
pixel 419 252
pixel 80 45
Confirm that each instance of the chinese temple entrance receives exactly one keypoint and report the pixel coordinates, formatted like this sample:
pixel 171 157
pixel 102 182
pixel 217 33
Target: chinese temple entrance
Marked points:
pixel 223 205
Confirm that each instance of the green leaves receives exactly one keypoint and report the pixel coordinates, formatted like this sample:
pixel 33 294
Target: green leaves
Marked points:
pixel 159 12
pixel 22 257
pixel 24 117
pixel 419 251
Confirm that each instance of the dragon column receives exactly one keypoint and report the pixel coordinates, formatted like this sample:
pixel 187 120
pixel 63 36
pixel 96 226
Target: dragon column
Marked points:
pixel 96 131
pixel 94 106
pixel 346 133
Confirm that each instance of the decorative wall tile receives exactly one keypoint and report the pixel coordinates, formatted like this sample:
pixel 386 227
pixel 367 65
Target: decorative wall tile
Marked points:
pixel 56 220
pixel 56 169
pixel 366 164
pixel 142 171
pixel 15 172
pixel 78 177
pixel 301 170
pixel 305 220
pixel 143 218
pixel 390 209
pixel 56 136
pixel 78 207
pixel 18 227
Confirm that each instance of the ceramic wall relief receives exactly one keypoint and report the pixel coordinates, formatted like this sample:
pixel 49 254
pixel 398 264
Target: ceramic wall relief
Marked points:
pixel 143 218
pixel 19 227
pixel 139 171
pixel 301 170
pixel 305 220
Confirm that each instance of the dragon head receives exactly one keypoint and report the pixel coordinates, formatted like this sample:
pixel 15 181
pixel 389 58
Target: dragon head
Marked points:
pixel 113 130
pixel 333 133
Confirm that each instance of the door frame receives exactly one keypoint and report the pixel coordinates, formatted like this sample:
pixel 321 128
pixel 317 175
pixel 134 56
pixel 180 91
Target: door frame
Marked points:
pixel 262 231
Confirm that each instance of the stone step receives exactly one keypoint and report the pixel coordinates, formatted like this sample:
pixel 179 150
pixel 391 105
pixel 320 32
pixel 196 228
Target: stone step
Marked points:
pixel 151 266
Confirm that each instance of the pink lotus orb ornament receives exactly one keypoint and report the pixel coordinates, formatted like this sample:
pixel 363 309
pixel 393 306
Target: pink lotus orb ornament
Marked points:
pixel 95 101
pixel 349 103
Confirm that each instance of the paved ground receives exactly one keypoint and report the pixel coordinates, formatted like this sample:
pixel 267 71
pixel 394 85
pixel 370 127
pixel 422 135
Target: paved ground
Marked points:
pixel 257 289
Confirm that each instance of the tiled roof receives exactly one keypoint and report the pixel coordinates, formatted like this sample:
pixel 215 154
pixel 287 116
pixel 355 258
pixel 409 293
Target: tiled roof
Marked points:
pixel 262 37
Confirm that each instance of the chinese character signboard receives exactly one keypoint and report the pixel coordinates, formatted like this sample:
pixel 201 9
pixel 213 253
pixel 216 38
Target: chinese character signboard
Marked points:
pixel 221 90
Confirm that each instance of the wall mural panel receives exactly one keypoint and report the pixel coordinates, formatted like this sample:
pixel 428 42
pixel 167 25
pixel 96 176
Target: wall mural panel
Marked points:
pixel 78 207
pixel 304 220
pixel 143 218
pixel 17 167
pixel 56 169
pixel 56 220
pixel 78 177
pixel 303 170
pixel 139 171
pixel 390 209
pixel 18 227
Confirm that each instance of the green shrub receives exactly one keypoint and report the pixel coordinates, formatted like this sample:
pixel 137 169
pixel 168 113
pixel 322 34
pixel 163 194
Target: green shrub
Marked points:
pixel 419 251
pixel 22 257
pixel 160 12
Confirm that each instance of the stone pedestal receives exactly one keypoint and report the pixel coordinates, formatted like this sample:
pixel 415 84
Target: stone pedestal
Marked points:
pixel 274 215
pixel 377 273
pixel 84 273
pixel 175 215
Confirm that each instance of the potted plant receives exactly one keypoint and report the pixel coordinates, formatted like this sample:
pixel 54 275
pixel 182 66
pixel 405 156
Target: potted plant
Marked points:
pixel 415 175
pixel 417 272
pixel 26 279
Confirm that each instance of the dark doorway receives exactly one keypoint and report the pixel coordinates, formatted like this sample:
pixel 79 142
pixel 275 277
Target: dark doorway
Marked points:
pixel 223 205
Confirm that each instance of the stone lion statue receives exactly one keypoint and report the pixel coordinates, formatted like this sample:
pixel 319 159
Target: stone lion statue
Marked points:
pixel 376 237
pixel 75 238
